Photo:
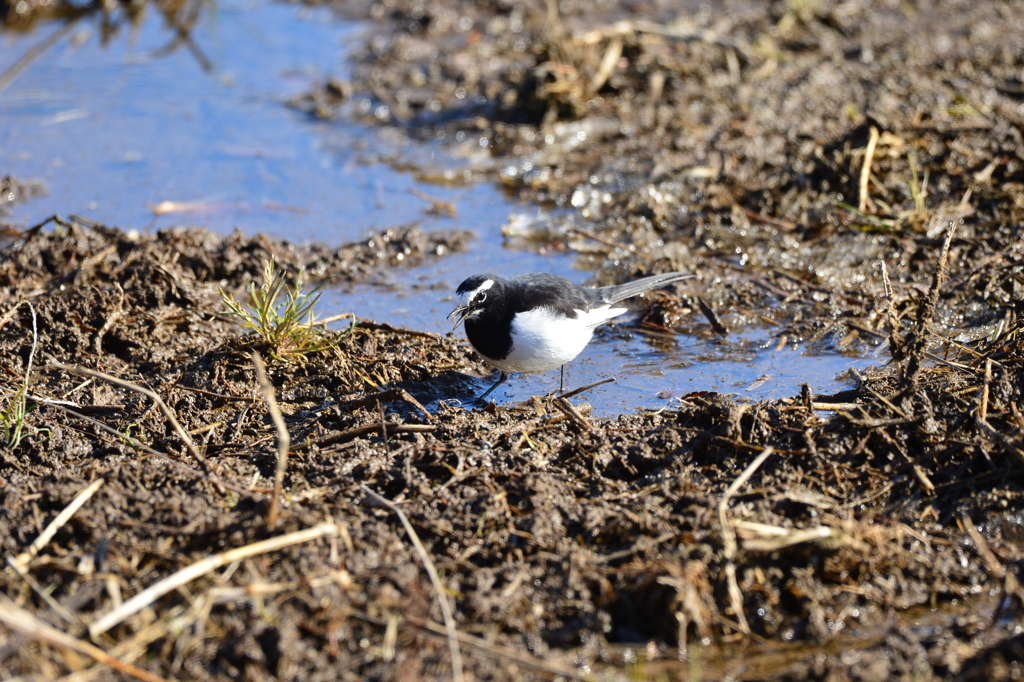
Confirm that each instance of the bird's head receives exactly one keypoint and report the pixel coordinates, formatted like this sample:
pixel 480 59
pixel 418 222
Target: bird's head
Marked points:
pixel 476 293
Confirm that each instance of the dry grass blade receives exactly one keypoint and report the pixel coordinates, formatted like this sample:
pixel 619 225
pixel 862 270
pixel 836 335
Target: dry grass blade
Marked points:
pixel 992 563
pixel 835 407
pixel 985 388
pixel 21 562
pixel 283 438
pixel 608 64
pixel 865 171
pixel 729 536
pixel 152 395
pixel 12 419
pixel 126 651
pixel 926 313
pixel 442 598
pixel 895 338
pixel 25 623
pixel 767 538
pixel 202 567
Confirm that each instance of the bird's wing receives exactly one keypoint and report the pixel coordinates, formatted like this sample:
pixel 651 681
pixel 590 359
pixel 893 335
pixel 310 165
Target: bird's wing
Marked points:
pixel 621 292
pixel 542 290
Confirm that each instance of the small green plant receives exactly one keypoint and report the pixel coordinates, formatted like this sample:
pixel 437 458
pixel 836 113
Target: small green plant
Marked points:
pixel 12 419
pixel 282 316
pixel 918 190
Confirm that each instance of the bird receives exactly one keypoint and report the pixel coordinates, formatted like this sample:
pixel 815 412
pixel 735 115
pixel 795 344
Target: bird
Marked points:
pixel 538 321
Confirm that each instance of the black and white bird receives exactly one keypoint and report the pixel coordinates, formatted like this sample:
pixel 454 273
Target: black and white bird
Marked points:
pixel 537 322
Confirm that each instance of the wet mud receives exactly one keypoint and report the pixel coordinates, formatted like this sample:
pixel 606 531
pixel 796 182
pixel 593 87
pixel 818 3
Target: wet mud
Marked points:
pixel 783 153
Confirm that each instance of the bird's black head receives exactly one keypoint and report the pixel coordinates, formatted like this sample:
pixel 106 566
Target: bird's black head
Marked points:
pixel 479 293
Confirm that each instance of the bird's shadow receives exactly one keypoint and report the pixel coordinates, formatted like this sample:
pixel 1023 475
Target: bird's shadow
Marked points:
pixel 450 387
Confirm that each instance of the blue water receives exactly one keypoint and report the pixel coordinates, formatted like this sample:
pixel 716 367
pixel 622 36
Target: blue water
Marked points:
pixel 116 130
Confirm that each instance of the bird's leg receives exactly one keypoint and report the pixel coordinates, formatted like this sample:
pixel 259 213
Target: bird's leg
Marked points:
pixel 561 379
pixel 501 379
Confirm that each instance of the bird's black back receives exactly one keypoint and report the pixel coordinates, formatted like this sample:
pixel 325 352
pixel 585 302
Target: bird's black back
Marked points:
pixel 526 292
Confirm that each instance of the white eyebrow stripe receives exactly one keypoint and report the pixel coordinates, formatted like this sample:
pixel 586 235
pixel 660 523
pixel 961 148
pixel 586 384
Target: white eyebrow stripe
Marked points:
pixel 470 295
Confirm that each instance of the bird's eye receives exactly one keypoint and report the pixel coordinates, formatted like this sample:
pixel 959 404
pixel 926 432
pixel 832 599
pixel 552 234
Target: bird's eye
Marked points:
pixel 481 297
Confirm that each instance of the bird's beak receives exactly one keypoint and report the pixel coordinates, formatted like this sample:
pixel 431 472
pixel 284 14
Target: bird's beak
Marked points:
pixel 459 313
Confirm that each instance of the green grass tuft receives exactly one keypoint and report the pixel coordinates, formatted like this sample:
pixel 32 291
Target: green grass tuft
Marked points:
pixel 282 316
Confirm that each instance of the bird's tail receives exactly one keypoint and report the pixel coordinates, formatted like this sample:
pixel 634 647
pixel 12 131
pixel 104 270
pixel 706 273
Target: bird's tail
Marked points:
pixel 621 292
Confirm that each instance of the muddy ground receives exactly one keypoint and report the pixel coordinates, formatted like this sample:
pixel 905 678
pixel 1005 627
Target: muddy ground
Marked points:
pixel 780 152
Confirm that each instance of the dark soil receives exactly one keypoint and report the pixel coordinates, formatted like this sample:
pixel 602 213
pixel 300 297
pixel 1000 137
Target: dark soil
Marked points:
pixel 882 537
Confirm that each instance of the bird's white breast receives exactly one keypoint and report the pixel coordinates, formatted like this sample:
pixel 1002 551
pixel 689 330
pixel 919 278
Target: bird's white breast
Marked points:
pixel 544 339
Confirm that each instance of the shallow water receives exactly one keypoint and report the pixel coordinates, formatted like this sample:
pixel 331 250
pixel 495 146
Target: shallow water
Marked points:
pixel 115 130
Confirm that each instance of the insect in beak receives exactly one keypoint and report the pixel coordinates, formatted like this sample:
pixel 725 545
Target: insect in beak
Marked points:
pixel 460 313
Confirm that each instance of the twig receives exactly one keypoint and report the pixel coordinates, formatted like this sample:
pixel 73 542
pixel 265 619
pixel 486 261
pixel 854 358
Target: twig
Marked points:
pixel 983 400
pixel 283 439
pixel 836 407
pixel 608 64
pixel 9 314
pixel 127 651
pixel 44 594
pixel 768 220
pixel 442 598
pixel 152 395
pixel 766 538
pixel 992 563
pixel 335 318
pixel 384 326
pixel 112 317
pixel 184 36
pixel 357 431
pixel 627 28
pixel 926 312
pixel 202 567
pixel 655 88
pixel 581 389
pixel 895 338
pixel 437 206
pixel 390 395
pixel 865 171
pixel 21 562
pixel 33 53
pixel 713 320
pixel 219 396
pixel 729 537
pixel 20 620
pixel 600 240
pixel 570 411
